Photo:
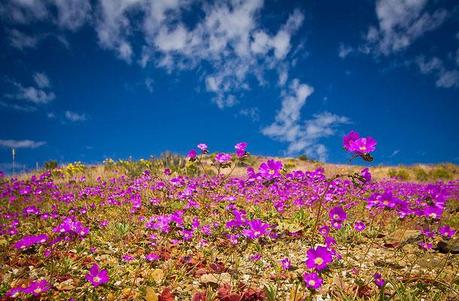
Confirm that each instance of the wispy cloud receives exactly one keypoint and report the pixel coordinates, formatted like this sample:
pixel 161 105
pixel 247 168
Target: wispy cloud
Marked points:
pixel 42 80
pixel 74 117
pixel 37 95
pixel 445 78
pixel 302 136
pixel 21 143
pixel 344 50
pixel 228 37
pixel 400 23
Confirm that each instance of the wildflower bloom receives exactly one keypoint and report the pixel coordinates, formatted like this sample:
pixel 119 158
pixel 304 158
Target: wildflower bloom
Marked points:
pixel 351 137
pixel 240 149
pixel 203 147
pixel 257 229
pixel 255 257
pixel 97 276
pixel 363 145
pixel 223 158
pixel 270 169
pixel 31 240
pixel 366 175
pixel 285 263
pixel 312 280
pixel 318 258
pixel 324 230
pixel 446 231
pixel 359 226
pixel 37 287
pixel 152 257
pixel 192 155
pixel 378 280
pixel 337 214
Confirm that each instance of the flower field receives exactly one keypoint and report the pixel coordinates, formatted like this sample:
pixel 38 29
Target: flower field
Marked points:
pixel 223 227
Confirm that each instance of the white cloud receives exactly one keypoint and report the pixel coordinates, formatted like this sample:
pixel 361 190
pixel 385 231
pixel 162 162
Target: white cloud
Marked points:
pixel 445 78
pixel 227 36
pixel 21 40
pixel 251 113
pixel 344 51
pixel 41 79
pixel 74 117
pixel 34 95
pixel 21 143
pixel 302 137
pixel 401 22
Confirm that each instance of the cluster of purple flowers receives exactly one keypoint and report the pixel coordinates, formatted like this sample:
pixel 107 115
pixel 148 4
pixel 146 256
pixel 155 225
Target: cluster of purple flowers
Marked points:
pixel 35 288
pixel 71 226
pixel 31 240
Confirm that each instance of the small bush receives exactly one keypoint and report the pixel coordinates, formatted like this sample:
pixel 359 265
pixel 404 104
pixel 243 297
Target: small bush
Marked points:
pixel 50 165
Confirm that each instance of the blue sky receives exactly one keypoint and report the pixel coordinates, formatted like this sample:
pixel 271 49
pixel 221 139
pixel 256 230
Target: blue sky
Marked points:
pixel 86 80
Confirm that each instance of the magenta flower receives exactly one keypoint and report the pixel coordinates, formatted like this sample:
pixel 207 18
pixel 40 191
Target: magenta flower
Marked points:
pixel 152 257
pixel 338 214
pixel 270 169
pixel 285 263
pixel 363 145
pixel 203 147
pixel 324 230
pixel 312 280
pixel 359 226
pixel 127 257
pixel 37 287
pixel 366 175
pixel 192 155
pixel 31 240
pixel 257 229
pixel 318 258
pixel 446 231
pixel 97 276
pixel 223 158
pixel 379 281
pixel 240 149
pixel 351 137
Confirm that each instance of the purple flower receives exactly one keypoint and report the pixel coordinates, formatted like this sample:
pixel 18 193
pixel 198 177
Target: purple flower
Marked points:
pixel 37 287
pixel 31 240
pixel 366 175
pixel 363 145
pixel 223 158
pixel 351 137
pixel 312 280
pixel 446 231
pixel 152 257
pixel 324 230
pixel 337 214
pixel 203 147
pixel 97 276
pixel 127 257
pixel 359 226
pixel 192 155
pixel 285 263
pixel 379 281
pixel 257 229
pixel 270 169
pixel 240 149
pixel 433 212
pixel 318 258
pixel 255 257
pixel 425 245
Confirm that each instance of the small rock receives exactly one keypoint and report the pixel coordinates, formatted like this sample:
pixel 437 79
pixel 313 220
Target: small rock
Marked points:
pixel 223 278
pixel 401 237
pixel 450 246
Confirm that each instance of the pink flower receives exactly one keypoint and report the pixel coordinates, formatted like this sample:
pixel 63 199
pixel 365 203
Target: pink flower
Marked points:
pixel 203 147
pixel 359 226
pixel 318 258
pixel 223 158
pixel 285 263
pixel 312 280
pixel 97 276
